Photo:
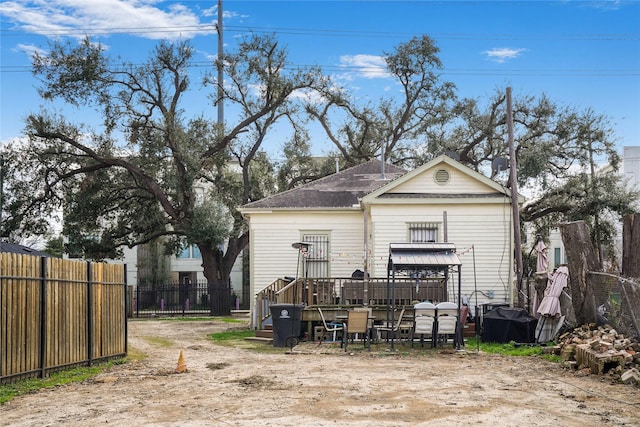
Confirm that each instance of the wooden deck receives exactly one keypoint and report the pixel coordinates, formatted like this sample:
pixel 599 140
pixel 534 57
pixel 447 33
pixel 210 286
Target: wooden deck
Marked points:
pixel 336 295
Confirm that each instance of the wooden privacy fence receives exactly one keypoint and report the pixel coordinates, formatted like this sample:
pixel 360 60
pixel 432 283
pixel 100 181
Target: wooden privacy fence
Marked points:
pixel 57 313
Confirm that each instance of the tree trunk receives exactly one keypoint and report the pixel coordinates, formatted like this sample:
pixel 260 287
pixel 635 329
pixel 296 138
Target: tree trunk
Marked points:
pixel 218 280
pixel 217 269
pixel 631 246
pixel 581 258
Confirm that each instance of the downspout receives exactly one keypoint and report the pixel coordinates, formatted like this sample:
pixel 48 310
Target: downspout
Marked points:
pixel 365 267
pixel 444 226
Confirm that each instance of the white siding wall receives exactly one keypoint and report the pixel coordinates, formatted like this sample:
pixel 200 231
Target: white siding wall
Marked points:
pixel 273 233
pixel 486 227
pixel 459 183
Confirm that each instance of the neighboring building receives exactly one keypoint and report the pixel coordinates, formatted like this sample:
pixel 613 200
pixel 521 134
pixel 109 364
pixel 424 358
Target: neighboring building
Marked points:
pixel 352 216
pixel 630 170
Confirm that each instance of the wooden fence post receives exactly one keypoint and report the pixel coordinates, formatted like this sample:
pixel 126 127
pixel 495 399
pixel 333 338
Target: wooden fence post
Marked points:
pixel 127 301
pixel 43 317
pixel 631 246
pixel 89 314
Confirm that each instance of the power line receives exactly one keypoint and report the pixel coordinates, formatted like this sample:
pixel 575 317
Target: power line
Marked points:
pixel 574 72
pixel 212 27
pixel 315 32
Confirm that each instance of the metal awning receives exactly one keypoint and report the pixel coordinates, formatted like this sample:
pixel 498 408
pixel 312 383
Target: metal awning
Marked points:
pixel 422 256
pixel 412 256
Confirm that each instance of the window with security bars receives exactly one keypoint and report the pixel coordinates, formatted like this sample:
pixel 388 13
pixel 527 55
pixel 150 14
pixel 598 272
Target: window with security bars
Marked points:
pixel 317 257
pixel 423 232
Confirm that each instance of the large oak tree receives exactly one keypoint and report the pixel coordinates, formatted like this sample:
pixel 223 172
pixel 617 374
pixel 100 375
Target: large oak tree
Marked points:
pixel 152 170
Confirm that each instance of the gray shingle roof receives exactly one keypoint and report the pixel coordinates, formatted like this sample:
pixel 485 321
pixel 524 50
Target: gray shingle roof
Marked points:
pixel 20 249
pixel 342 189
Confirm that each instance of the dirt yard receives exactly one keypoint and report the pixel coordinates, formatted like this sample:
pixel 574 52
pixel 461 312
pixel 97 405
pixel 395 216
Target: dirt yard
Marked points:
pixel 322 386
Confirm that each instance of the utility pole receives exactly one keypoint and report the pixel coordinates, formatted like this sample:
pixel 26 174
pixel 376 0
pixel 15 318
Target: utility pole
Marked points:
pixel 220 71
pixel 514 200
pixel 2 169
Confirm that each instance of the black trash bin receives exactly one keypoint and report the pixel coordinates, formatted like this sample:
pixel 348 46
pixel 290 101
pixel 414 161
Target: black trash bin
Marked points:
pixel 286 324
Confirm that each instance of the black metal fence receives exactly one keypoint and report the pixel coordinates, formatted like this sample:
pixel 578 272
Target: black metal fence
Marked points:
pixel 182 299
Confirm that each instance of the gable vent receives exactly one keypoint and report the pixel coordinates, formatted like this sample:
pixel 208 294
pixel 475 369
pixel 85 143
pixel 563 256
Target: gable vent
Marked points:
pixel 441 176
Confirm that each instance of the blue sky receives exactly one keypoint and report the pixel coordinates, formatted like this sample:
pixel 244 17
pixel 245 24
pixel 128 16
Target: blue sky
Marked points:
pixel 583 54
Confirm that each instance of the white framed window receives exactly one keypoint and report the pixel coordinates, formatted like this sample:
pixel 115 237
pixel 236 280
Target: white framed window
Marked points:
pixel 423 232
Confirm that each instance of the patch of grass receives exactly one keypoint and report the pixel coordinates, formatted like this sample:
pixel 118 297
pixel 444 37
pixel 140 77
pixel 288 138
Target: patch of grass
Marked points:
pixel 506 349
pixel 72 375
pixel 133 355
pixel 158 341
pixel 239 334
pixel 552 358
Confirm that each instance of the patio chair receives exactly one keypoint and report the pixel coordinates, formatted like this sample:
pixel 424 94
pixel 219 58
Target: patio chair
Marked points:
pixel 369 311
pixel 393 326
pixel 424 322
pixel 332 327
pixel 446 321
pixel 357 323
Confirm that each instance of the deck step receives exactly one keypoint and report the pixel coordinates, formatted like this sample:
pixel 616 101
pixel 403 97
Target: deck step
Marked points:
pixel 264 333
pixel 243 314
pixel 260 339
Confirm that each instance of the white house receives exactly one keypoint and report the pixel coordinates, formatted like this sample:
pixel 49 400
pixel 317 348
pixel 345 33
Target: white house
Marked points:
pixel 352 216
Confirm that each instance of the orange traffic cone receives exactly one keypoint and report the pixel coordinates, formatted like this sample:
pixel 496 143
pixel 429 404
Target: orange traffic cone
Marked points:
pixel 182 366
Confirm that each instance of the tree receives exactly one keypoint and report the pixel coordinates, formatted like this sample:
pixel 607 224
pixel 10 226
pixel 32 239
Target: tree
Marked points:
pixel 55 247
pixel 553 143
pixel 556 152
pixel 359 132
pixel 139 177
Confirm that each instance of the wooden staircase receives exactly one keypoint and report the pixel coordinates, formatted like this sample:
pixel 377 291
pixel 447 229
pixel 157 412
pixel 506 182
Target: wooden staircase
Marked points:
pixel 264 335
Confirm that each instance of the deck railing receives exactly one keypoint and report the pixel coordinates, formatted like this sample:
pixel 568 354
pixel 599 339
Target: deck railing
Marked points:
pixel 346 292
pixel 270 295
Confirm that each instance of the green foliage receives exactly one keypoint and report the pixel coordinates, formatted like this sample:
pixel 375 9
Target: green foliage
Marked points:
pixel 55 247
pixel 506 349
pixel 153 263
pixel 399 123
pixel 159 342
pixel 211 223
pixel 153 171
pixel 234 335
pixel 9 391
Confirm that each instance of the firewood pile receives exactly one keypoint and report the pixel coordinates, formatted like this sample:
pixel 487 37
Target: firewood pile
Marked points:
pixel 601 350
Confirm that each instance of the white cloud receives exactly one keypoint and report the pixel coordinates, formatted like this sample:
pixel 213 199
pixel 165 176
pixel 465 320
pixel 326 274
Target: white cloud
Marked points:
pixel 82 17
pixel 502 54
pixel 310 97
pixel 367 66
pixel 29 49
